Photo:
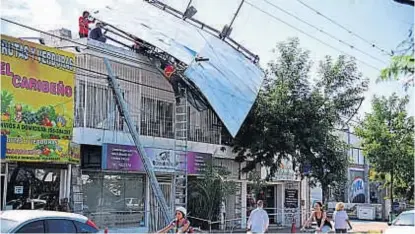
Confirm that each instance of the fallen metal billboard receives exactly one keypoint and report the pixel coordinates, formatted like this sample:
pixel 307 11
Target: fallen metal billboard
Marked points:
pixel 229 81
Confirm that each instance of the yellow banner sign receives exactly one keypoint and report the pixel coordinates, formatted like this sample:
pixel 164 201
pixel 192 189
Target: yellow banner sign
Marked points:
pixel 37 101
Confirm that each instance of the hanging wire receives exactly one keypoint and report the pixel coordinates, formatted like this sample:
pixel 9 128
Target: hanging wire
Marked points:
pixel 324 32
pixel 311 36
pixel 373 45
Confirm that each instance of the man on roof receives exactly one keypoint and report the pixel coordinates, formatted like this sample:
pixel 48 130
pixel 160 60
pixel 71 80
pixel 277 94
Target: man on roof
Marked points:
pixel 97 34
pixel 84 22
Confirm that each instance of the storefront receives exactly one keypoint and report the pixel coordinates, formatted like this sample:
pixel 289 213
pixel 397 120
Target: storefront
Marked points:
pixel 281 195
pixel 116 189
pixel 37 113
pixel 36 186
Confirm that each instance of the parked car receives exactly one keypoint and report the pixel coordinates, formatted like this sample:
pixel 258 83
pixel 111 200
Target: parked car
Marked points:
pixel 40 221
pixel 404 223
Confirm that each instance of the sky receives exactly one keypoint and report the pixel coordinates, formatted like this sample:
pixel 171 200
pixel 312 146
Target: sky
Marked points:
pixel 382 22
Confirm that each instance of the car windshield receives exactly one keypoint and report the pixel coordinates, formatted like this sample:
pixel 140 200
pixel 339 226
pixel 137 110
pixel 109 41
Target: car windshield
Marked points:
pixel 7 225
pixel 405 220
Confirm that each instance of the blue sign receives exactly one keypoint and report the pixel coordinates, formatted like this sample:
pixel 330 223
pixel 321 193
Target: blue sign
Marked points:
pixel 3 146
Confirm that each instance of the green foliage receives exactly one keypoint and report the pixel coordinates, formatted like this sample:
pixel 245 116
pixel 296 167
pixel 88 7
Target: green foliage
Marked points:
pixel 207 193
pixel 6 101
pixel 388 137
pixel 292 118
pixel 402 65
pixel 258 184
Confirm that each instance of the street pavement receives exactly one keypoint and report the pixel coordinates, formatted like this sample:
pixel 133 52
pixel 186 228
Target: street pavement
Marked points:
pixel 359 226
pixel 368 226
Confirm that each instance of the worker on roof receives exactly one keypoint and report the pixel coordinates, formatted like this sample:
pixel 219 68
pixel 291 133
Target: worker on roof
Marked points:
pixel 84 22
pixel 97 34
pixel 169 70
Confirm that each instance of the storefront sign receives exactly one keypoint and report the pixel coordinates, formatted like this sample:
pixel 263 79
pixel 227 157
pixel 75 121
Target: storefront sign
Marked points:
pixel 126 157
pixel 121 157
pixel 285 172
pixel 291 198
pixel 162 159
pixel 196 162
pixel 37 101
pixel 18 189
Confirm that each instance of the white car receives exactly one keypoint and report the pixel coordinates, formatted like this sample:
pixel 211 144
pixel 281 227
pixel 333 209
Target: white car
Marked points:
pixel 40 221
pixel 403 224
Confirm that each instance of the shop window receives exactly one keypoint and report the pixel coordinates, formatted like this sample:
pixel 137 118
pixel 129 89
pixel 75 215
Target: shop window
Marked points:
pixel 114 200
pixel 91 156
pixel 32 188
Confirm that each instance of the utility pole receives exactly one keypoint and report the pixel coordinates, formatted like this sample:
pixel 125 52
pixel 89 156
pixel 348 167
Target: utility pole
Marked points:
pixel 236 13
pixel 148 166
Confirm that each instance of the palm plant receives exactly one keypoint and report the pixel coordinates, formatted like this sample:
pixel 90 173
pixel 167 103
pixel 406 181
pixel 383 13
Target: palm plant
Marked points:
pixel 207 192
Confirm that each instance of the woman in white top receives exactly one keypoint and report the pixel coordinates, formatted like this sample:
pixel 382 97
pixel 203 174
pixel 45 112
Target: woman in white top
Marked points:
pixel 341 219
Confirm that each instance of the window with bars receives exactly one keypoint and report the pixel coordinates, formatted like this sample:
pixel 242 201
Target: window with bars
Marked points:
pixel 156 118
pixel 204 126
pixel 96 107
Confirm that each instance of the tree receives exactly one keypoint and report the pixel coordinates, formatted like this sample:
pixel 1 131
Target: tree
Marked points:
pixel 292 119
pixel 402 64
pixel 387 141
pixel 258 184
pixel 207 193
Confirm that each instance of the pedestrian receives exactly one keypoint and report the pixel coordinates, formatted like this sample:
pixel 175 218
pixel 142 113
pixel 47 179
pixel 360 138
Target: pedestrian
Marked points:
pixel 341 219
pixel 84 22
pixel 97 34
pixel 320 216
pixel 258 221
pixel 180 224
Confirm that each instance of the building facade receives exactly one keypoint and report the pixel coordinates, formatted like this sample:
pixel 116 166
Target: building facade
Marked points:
pixel 108 183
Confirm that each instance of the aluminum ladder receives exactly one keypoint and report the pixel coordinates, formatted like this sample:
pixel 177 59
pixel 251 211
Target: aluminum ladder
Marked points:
pixel 181 130
pixel 123 109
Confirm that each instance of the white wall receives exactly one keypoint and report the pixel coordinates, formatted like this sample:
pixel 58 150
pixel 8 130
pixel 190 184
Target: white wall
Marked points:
pixel 92 136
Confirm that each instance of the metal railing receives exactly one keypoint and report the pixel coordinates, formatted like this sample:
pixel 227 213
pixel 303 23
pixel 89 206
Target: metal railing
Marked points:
pixel 279 218
pixel 117 218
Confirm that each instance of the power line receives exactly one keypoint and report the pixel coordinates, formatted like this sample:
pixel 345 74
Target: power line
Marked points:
pixel 311 36
pixel 324 32
pixel 112 53
pixel 103 74
pixel 373 45
pixel 100 74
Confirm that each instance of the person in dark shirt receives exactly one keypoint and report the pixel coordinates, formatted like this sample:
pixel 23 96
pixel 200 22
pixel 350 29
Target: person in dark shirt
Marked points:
pixel 97 34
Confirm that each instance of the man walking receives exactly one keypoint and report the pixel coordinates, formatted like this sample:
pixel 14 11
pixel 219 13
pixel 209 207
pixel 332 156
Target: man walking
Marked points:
pixel 258 219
